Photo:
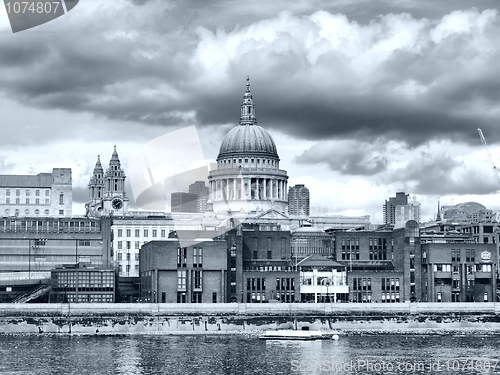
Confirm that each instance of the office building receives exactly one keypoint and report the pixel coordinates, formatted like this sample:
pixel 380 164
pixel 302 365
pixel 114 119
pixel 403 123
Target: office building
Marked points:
pixel 298 200
pixel 41 195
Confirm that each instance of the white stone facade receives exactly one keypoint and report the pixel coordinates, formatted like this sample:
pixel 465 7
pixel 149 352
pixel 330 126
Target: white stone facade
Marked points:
pixel 42 195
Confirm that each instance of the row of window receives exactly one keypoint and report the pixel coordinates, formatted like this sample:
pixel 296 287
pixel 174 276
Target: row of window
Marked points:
pixel 378 243
pixel 252 160
pixel 60 225
pixel 197 280
pixel 126 268
pixel 470 255
pixel 27 192
pixel 456 269
pixel 390 297
pixel 28 212
pixel 182 257
pixel 378 254
pixel 350 243
pixel 108 298
pixel 27 201
pixel 359 283
pixel 361 296
pixel 137 233
pixel 456 297
pixel 128 257
pixel 390 283
pixel 282 284
pixel 196 297
pixel 269 268
pixel 350 254
pixel 128 245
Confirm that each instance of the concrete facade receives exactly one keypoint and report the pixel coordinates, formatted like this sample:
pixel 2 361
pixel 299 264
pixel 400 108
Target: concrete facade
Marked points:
pixel 298 200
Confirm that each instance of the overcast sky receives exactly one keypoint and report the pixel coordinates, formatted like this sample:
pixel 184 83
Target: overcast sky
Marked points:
pixel 363 98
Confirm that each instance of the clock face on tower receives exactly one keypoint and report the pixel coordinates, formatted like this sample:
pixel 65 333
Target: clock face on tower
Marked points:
pixel 117 203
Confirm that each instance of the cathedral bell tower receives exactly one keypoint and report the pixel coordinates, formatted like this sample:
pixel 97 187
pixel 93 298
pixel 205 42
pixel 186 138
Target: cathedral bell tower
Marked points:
pixel 96 190
pixel 107 190
pixel 114 200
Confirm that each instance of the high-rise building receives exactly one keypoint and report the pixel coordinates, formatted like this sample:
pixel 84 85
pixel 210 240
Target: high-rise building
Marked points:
pixel 183 202
pixel 298 200
pixel 401 199
pixel 202 192
pixel 41 195
pixel 409 211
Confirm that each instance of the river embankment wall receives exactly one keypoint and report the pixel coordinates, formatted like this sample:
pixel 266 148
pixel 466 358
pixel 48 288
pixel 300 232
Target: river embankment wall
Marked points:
pixel 94 318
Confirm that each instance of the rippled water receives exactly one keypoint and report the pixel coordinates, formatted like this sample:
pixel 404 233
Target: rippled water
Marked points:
pixel 238 354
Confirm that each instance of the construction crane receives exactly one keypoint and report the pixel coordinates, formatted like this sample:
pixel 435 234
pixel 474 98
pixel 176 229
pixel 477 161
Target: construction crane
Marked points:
pixel 496 170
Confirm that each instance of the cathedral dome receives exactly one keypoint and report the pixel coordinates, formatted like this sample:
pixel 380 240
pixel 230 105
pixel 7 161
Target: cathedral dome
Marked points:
pixel 248 140
pixel 248 178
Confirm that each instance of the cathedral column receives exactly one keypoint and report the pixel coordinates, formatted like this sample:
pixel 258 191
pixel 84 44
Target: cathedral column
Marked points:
pixel 265 188
pixel 227 188
pixel 234 189
pixel 257 196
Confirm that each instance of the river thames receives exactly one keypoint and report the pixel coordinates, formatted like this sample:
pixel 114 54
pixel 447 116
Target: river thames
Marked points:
pixel 470 353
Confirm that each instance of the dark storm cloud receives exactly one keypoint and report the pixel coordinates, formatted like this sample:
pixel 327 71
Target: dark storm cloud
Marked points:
pixel 352 159
pixel 146 66
pixel 438 174
pixel 441 82
pixel 351 116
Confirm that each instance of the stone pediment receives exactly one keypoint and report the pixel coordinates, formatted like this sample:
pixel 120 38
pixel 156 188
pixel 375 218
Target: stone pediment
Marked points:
pixel 272 214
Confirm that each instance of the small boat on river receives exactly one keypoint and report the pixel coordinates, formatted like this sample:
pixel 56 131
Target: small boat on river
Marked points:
pixel 290 334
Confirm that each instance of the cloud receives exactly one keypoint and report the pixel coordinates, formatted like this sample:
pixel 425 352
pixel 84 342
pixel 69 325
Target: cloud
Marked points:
pixel 441 174
pixel 396 77
pixel 380 80
pixel 314 75
pixel 348 158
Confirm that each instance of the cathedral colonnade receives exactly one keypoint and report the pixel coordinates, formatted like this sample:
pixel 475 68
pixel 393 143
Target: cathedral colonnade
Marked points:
pixel 249 188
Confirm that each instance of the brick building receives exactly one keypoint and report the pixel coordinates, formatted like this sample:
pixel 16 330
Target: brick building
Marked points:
pixel 406 265
pixel 193 273
pixel 268 270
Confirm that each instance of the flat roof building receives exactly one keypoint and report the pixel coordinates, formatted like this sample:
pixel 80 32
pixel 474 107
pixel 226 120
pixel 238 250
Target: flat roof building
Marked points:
pixel 41 195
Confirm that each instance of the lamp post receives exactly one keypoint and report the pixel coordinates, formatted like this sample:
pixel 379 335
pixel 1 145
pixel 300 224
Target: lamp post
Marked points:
pixel 328 283
pixel 29 259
